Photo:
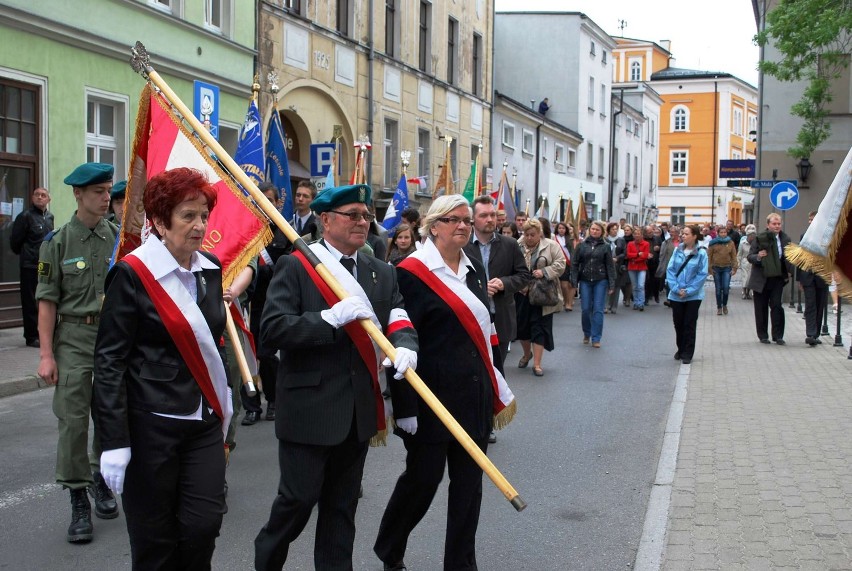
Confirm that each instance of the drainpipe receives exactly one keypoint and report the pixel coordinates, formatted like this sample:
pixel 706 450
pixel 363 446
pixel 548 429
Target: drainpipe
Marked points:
pixel 759 150
pixel 611 152
pixel 715 145
pixel 371 54
pixel 537 162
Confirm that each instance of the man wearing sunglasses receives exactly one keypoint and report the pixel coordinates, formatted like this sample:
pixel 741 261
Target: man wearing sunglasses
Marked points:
pixel 329 403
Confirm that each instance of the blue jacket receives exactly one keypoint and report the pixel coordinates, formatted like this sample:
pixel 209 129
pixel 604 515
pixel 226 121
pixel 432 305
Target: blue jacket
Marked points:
pixel 691 278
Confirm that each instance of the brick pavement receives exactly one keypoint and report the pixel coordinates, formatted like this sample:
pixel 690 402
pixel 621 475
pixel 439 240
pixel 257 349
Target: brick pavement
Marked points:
pixel 18 364
pixel 763 478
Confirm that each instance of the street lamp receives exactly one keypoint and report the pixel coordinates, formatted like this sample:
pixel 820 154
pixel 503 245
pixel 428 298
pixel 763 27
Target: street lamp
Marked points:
pixel 625 192
pixel 804 167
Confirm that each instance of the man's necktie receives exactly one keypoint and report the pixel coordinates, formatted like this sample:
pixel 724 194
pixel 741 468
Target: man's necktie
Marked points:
pixel 299 226
pixel 349 264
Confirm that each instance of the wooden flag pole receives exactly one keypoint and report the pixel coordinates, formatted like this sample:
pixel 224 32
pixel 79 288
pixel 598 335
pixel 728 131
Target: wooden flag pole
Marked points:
pixel 141 64
pixel 238 352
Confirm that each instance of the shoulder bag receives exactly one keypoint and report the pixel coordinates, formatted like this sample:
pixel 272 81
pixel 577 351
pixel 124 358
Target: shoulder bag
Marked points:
pixel 543 291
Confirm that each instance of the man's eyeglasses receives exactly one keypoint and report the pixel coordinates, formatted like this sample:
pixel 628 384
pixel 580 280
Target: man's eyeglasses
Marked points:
pixel 356 216
pixel 455 220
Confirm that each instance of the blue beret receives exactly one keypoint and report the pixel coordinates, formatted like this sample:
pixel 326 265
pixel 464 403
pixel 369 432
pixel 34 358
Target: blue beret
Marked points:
pixel 118 190
pixel 331 198
pixel 90 173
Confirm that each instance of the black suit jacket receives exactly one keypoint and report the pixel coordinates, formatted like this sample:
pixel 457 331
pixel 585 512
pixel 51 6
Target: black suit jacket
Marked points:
pixel 322 380
pixel 808 278
pixel 505 261
pixel 448 363
pixel 280 245
pixel 137 365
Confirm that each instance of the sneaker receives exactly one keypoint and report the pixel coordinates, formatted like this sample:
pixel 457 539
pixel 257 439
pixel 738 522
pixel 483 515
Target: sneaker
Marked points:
pixel 492 438
pixel 586 340
pixel 725 310
pixel 719 311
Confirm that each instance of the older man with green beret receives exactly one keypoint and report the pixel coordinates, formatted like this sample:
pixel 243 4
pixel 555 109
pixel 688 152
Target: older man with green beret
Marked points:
pixel 73 263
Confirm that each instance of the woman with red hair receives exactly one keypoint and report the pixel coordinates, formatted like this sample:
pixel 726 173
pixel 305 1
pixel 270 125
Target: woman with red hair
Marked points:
pixel 160 389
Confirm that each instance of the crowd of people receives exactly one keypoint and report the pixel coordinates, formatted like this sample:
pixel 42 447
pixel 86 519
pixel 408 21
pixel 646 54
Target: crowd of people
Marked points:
pixel 458 286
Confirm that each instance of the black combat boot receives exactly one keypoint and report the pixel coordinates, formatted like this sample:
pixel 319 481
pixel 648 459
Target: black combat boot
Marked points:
pixel 81 528
pixel 105 504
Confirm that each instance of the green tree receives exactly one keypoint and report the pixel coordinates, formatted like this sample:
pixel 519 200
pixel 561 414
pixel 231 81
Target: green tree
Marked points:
pixel 813 40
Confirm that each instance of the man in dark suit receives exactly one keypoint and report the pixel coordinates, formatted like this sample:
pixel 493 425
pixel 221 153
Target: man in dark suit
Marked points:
pixel 328 380
pixel 304 221
pixel 505 270
pixel 770 272
pixel 816 298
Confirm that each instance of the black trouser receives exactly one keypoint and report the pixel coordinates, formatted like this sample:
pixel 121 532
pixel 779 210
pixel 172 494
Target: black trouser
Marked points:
pixel 29 305
pixel 174 491
pixel 413 494
pixel 652 284
pixel 816 299
pixel 268 371
pixel 768 303
pixel 326 475
pixel 685 317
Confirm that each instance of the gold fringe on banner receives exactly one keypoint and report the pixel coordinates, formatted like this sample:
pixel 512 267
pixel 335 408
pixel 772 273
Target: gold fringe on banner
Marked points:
pixel 505 416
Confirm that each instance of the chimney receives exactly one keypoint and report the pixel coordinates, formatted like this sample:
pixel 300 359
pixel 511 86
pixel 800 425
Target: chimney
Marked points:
pixel 666 45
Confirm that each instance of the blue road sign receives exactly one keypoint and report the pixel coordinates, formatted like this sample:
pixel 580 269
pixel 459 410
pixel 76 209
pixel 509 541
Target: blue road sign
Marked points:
pixel 206 105
pixel 784 195
pixel 322 155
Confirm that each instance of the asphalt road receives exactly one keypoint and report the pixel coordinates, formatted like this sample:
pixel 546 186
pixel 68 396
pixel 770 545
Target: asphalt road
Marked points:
pixel 582 452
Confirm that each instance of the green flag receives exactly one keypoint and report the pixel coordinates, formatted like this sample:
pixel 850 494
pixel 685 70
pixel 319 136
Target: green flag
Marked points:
pixel 471 189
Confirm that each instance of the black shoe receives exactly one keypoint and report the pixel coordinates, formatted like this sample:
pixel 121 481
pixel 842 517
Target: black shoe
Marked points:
pixel 686 360
pixel 641 308
pixel 810 341
pixel 677 356
pixel 81 528
pixel 250 418
pixel 492 438
pixel 270 411
pixel 780 341
pixel 667 303
pixel 396 566
pixel 766 341
pixel 105 505
pixel 817 341
pixel 33 343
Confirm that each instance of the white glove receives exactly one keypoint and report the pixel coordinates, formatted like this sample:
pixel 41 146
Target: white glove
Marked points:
pixel 405 359
pixel 113 465
pixel 408 424
pixel 346 311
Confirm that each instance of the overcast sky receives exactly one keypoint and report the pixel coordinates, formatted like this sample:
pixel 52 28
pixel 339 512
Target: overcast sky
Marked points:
pixel 709 36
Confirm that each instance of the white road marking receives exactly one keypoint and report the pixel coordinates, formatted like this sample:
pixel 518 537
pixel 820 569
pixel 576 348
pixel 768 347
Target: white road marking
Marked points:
pixel 36 491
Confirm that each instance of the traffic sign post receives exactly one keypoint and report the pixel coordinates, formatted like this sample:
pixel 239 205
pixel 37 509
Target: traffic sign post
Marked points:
pixel 784 195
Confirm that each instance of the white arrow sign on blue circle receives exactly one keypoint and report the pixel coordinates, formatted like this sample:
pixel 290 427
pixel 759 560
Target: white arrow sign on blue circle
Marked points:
pixel 784 195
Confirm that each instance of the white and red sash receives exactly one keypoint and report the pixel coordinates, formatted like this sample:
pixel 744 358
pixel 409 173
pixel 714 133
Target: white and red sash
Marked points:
pixel 365 346
pixel 189 330
pixel 504 401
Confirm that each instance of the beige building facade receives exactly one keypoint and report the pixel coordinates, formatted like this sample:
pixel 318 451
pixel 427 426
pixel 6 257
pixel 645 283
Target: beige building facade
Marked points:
pixel 404 74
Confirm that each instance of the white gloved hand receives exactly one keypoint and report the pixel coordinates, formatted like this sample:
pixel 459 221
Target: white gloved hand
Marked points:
pixel 405 359
pixel 346 311
pixel 408 424
pixel 113 465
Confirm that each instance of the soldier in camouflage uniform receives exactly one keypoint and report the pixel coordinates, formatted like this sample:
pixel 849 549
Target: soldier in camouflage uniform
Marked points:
pixel 73 263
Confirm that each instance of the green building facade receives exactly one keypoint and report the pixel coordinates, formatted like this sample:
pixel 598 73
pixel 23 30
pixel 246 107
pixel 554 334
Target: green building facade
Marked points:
pixel 68 94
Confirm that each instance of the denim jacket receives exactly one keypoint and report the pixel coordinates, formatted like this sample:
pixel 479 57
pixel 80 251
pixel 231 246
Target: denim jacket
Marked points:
pixel 691 278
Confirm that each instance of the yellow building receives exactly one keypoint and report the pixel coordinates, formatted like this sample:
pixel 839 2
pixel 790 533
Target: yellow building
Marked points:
pixel 706 117
pixel 405 76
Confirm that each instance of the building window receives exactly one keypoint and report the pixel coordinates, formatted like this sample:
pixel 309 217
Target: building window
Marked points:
pixel 603 100
pixel 477 64
pixel 652 133
pixel 592 50
pixel 635 171
pixel 629 127
pixel 635 70
pixel 216 16
pixel 736 155
pixel 590 159
pixel 627 170
pixel 293 6
pixel 424 55
pixel 391 26
pixel 603 57
pixel 391 154
pixel 164 5
pixel 452 49
pixel 678 215
pixel 344 9
pixel 528 143
pixel 601 162
pixel 105 132
pixel 680 118
pixel 637 130
pixel 591 94
pixel 738 121
pixel 424 142
pixel 615 165
pixel 18 111
pixel 679 163
pixel 651 184
pixel 559 156
pixel 572 159
pixel 509 134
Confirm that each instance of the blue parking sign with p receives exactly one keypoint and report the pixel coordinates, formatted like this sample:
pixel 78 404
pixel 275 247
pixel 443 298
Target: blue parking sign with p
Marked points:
pixel 206 105
pixel 322 156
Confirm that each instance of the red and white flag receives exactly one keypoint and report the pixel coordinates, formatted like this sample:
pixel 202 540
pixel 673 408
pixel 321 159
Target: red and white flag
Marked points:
pixel 236 230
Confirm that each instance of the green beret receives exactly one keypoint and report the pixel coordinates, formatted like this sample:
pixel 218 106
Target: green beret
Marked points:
pixel 90 173
pixel 331 198
pixel 118 190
